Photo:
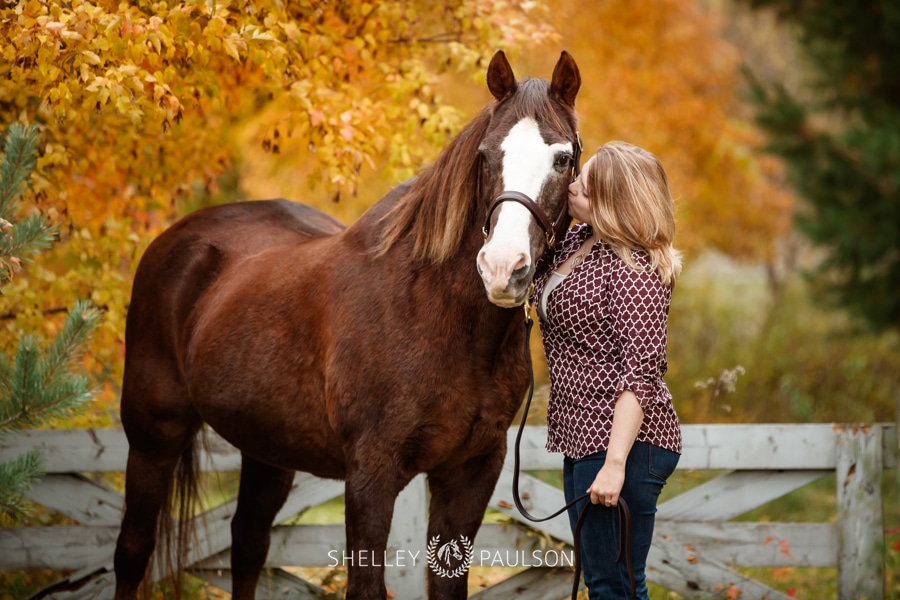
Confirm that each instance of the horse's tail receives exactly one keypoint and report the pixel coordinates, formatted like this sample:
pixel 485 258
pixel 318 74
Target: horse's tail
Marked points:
pixel 176 530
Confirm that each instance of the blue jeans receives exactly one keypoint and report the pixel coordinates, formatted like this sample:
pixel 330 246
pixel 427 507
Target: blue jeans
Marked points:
pixel 646 471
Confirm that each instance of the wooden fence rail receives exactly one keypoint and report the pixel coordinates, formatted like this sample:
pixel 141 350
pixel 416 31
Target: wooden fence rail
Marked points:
pixel 696 548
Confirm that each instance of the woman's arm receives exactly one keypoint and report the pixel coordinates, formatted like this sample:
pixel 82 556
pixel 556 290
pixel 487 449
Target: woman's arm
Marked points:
pixel 639 305
pixel 627 418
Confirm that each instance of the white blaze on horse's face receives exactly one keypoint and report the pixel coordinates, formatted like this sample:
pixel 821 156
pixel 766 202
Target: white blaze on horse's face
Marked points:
pixel 527 164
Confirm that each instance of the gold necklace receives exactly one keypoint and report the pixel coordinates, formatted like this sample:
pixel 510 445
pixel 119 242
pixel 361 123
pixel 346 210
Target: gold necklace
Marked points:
pixel 579 258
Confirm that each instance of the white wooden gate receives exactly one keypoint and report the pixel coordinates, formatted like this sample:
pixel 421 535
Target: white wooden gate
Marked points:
pixel 695 550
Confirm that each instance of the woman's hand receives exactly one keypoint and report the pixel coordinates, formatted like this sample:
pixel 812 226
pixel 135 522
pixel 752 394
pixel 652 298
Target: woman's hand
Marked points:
pixel 627 418
pixel 608 484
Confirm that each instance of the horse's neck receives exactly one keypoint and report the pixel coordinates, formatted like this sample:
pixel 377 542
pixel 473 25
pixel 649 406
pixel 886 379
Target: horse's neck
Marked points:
pixel 456 278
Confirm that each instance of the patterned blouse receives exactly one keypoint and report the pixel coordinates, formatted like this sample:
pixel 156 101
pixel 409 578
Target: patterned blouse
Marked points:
pixel 604 332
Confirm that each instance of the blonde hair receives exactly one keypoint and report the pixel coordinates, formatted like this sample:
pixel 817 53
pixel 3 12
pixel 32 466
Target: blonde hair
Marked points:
pixel 632 208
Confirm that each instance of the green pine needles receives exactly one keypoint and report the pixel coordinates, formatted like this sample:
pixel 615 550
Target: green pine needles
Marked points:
pixel 37 382
pixel 31 233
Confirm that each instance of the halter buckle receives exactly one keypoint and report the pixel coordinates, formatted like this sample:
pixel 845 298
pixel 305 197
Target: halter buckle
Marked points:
pixel 527 304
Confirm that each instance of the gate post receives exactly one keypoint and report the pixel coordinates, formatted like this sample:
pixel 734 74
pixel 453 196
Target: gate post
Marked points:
pixel 860 522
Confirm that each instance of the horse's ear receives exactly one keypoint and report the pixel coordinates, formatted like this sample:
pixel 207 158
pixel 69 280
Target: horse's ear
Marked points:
pixel 500 78
pixel 566 79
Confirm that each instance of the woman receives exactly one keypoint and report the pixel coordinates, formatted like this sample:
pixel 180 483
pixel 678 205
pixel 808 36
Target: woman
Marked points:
pixel 603 308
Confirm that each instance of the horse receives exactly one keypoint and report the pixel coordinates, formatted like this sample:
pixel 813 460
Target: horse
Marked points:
pixel 369 353
pixel 448 550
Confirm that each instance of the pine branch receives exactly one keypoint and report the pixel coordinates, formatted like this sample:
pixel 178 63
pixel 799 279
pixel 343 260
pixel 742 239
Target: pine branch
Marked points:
pixel 5 381
pixel 69 345
pixel 35 383
pixel 17 476
pixel 19 160
pixel 36 388
pixel 14 409
pixel 18 241
pixel 28 235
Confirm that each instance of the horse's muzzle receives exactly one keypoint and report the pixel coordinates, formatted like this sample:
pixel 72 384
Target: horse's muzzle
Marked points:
pixel 516 290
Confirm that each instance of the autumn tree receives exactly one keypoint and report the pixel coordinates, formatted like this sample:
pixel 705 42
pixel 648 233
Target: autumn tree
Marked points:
pixel 150 109
pixel 661 74
pixel 840 135
pixel 144 109
pixel 35 383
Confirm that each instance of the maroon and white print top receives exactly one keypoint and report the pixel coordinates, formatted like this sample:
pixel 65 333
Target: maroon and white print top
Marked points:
pixel 604 331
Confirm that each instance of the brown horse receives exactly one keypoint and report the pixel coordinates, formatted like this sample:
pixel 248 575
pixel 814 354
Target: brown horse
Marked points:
pixel 368 354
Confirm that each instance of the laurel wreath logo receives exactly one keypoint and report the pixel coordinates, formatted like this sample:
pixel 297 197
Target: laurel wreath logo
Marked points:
pixel 438 553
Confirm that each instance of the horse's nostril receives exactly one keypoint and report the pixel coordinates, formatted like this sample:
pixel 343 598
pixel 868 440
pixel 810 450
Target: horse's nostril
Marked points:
pixel 521 273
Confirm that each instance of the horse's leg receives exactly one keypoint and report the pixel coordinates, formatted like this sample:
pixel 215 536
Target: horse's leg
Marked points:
pixel 148 483
pixel 262 493
pixel 160 425
pixel 369 497
pixel 459 496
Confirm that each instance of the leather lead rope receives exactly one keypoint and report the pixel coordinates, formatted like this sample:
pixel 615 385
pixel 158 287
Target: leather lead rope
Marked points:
pixel 622 506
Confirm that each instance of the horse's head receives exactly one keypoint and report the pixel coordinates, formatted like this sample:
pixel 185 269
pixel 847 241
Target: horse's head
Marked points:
pixel 449 549
pixel 529 155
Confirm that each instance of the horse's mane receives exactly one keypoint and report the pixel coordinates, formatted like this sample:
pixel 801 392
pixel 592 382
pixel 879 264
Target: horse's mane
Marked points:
pixel 440 206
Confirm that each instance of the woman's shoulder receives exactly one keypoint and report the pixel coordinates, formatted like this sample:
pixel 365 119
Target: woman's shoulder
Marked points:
pixel 645 270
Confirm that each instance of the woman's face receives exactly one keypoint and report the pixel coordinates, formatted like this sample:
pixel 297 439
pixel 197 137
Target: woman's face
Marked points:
pixel 579 202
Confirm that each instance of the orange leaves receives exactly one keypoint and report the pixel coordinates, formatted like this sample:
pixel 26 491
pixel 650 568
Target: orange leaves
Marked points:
pixel 146 109
pixel 783 546
pixel 784 549
pixel 660 74
pixel 727 593
pixel 690 556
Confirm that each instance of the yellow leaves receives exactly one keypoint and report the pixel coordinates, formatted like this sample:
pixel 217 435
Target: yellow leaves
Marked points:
pixel 291 30
pixel 144 107
pixel 91 57
pixel 54 27
pixel 234 45
pixel 420 108
pixel 61 97
pixel 258 35
pixel 149 67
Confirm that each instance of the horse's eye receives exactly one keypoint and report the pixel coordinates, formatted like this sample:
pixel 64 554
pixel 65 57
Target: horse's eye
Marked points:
pixel 562 162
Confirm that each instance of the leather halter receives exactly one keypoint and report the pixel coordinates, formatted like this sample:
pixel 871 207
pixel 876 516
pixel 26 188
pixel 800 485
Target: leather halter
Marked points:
pixel 533 207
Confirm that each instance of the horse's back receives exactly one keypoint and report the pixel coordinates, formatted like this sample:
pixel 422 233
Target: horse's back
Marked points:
pixel 269 218
pixel 187 258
